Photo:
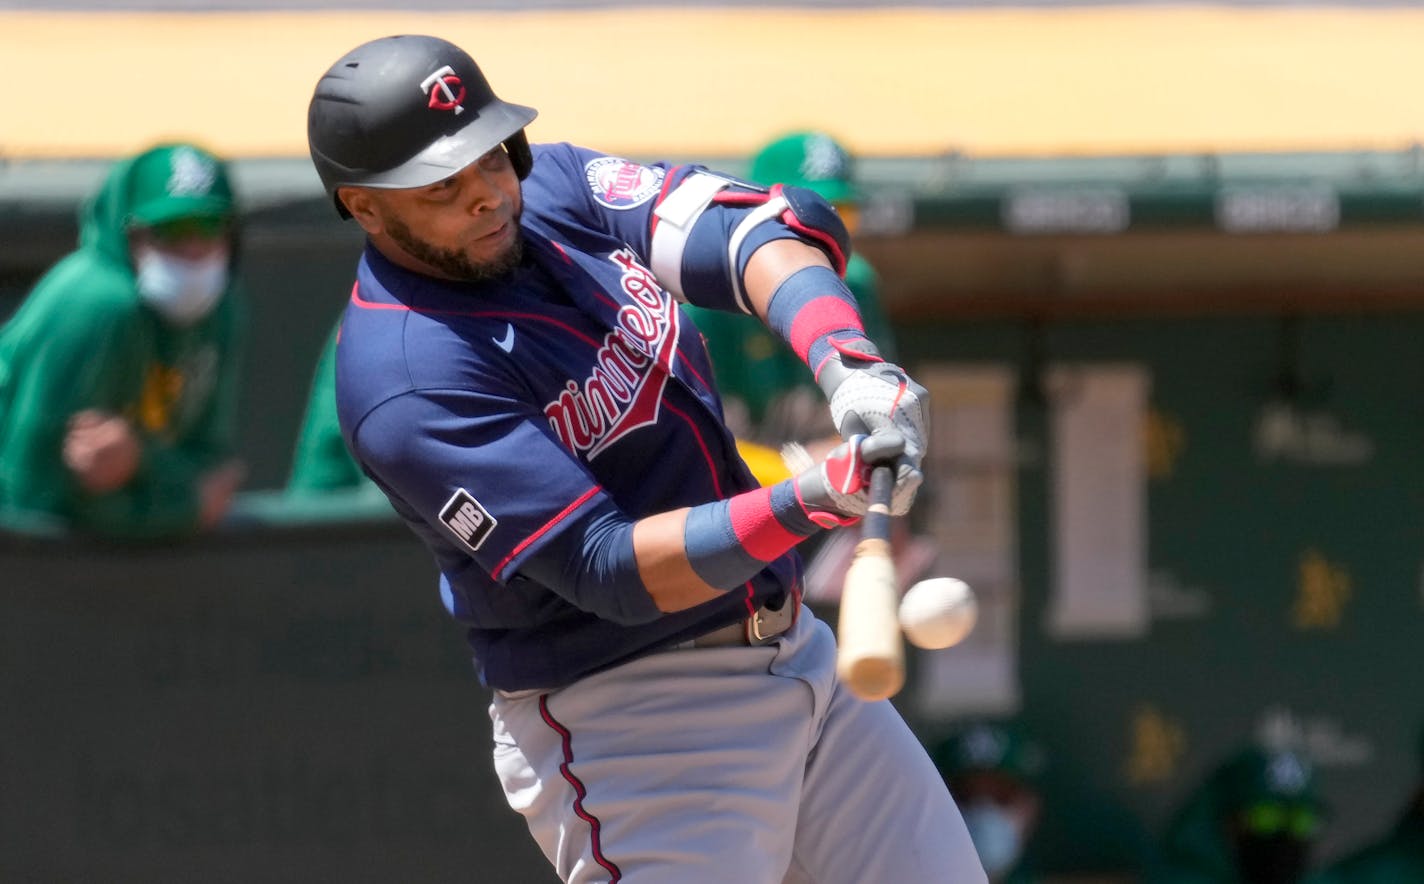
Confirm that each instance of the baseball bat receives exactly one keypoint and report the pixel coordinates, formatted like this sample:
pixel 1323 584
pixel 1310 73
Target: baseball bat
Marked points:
pixel 870 654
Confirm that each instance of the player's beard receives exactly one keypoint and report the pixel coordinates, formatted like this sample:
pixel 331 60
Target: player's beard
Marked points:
pixel 456 264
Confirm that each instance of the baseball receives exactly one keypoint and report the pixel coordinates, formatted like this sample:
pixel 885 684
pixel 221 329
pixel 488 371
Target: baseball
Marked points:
pixel 938 612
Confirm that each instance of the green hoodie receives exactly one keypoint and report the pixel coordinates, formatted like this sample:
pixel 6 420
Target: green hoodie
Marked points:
pixel 84 339
pixel 1196 849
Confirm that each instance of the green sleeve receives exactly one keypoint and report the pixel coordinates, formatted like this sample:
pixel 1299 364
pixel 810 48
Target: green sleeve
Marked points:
pixel 321 462
pixel 53 352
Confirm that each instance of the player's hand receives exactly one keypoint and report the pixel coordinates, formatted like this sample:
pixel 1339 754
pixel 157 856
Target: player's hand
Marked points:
pixel 102 450
pixel 835 491
pixel 870 395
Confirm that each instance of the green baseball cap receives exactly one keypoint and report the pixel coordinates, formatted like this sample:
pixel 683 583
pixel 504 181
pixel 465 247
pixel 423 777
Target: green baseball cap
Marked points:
pixel 1256 774
pixel 813 160
pixel 175 182
pixel 990 747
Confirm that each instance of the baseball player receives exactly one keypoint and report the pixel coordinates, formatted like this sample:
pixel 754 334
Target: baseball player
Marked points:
pixel 515 374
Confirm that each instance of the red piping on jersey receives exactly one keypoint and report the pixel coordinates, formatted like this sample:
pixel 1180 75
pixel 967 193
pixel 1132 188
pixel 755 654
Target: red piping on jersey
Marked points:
pixel 701 443
pixel 479 314
pixel 607 301
pixel 688 364
pixel 524 544
pixel 594 826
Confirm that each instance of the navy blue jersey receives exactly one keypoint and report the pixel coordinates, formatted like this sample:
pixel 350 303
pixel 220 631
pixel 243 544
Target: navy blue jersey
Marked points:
pixel 496 415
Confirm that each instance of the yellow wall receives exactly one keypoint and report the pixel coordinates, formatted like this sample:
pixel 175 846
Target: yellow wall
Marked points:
pixel 717 82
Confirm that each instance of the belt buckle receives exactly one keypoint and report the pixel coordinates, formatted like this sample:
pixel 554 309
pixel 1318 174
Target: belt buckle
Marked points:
pixel 766 624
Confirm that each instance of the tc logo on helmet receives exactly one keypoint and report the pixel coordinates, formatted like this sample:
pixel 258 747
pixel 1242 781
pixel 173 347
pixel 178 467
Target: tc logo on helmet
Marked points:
pixel 445 90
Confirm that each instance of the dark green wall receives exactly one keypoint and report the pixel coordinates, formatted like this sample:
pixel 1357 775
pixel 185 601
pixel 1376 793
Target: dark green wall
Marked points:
pixel 1235 529
pixel 271 704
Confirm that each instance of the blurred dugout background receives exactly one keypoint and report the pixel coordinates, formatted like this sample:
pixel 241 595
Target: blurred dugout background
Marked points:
pixel 1161 263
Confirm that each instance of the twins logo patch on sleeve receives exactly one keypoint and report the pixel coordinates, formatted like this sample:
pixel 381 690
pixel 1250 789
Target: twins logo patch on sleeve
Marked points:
pixel 619 184
pixel 466 519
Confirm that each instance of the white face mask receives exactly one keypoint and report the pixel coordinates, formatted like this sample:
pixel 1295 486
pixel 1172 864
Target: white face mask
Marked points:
pixel 996 837
pixel 183 291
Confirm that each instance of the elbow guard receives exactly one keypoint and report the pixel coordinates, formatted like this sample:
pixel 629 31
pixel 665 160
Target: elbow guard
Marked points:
pixel 685 240
pixel 817 221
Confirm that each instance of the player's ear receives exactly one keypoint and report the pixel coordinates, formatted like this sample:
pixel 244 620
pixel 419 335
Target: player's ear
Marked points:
pixel 361 203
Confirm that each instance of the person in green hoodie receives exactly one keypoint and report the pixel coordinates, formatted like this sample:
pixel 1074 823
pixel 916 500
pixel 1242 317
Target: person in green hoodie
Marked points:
pixel 771 396
pixel 1253 821
pixel 119 371
pixel 1397 858
pixel 993 770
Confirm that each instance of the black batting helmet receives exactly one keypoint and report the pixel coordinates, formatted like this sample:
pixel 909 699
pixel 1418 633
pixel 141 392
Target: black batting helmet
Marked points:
pixel 408 111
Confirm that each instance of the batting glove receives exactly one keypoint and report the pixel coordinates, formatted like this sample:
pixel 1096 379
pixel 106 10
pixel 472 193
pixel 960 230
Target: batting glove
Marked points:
pixel 868 394
pixel 835 492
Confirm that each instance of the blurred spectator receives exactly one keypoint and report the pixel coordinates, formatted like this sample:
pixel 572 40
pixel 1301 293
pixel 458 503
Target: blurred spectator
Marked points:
pixel 321 462
pixel 1254 821
pixel 119 371
pixel 993 772
pixel 769 394
pixel 325 477
pixel 1397 858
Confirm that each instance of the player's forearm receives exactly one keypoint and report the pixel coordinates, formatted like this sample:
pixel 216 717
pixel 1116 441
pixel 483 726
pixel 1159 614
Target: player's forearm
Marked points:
pixel 628 571
pixel 803 300
pixel 631 571
pixel 692 555
pixel 658 545
pixel 772 264
pixel 689 556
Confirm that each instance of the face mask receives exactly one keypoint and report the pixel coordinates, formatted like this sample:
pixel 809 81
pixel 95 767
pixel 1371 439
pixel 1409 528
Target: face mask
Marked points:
pixel 183 291
pixel 1271 859
pixel 995 835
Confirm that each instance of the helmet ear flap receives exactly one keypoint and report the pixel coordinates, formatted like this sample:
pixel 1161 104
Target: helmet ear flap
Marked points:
pixel 517 146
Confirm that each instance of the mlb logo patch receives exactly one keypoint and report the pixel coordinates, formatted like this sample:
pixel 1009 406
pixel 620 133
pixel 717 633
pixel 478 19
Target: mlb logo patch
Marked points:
pixel 619 184
pixel 466 519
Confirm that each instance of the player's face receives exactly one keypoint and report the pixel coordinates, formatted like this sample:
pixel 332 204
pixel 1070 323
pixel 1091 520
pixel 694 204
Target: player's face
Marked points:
pixel 465 227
